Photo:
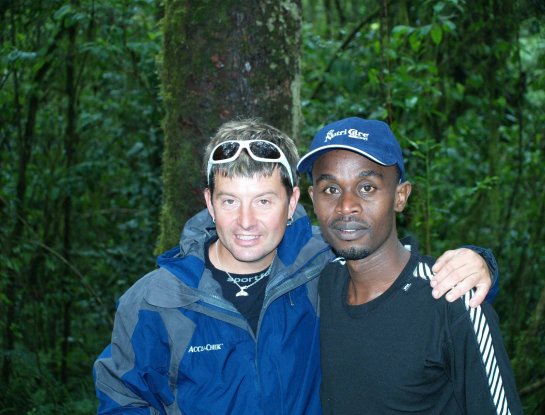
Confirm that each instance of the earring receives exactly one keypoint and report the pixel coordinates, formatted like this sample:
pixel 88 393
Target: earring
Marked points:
pixel 290 221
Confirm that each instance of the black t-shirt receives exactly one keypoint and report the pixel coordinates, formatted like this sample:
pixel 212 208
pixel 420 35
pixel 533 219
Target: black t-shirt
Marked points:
pixel 249 306
pixel 405 352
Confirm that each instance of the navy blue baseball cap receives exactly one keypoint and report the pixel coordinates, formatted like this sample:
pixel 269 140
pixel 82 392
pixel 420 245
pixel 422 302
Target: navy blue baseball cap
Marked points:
pixel 371 138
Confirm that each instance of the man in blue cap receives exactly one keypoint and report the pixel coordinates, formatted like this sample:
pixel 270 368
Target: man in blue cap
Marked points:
pixel 386 345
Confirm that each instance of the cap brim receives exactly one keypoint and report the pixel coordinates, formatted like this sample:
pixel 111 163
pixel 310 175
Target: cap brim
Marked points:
pixel 307 161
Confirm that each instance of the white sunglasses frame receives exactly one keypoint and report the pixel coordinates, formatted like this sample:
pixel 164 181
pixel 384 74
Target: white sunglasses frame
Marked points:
pixel 245 145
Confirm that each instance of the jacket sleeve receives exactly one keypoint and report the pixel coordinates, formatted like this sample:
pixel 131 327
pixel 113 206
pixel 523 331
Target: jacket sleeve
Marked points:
pixel 132 373
pixel 490 260
pixel 480 368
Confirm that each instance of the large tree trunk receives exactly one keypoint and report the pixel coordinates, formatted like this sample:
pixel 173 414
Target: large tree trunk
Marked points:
pixel 222 60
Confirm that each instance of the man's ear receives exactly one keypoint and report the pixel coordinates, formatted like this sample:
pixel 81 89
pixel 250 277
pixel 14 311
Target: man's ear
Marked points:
pixel 294 199
pixel 403 191
pixel 208 199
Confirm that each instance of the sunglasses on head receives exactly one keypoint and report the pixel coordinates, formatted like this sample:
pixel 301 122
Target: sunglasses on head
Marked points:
pixel 259 150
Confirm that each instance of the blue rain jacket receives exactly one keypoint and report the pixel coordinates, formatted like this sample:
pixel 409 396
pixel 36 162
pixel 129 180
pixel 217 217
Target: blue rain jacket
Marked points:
pixel 178 347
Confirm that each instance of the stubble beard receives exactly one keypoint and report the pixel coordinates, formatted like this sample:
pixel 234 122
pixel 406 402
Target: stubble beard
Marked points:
pixel 352 253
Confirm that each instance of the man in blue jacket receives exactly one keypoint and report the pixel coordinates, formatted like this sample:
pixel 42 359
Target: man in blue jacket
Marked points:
pixel 229 323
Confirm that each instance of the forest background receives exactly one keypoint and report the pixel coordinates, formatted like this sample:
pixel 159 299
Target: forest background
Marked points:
pixel 105 106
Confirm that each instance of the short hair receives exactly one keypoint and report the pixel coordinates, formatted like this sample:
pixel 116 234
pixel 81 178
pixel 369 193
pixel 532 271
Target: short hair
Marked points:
pixel 244 165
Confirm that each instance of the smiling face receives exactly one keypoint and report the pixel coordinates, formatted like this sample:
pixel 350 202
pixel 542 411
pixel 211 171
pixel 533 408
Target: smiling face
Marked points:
pixel 355 200
pixel 251 214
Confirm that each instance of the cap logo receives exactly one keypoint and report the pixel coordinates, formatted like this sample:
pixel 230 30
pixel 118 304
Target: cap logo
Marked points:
pixel 352 133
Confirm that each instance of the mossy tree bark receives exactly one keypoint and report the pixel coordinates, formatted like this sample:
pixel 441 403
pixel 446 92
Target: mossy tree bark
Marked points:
pixel 222 59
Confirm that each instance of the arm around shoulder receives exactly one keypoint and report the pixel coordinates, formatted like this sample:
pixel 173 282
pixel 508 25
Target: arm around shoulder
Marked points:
pixel 493 269
pixel 461 270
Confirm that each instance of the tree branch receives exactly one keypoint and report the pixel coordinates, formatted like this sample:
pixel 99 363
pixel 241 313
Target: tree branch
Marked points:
pixel 532 387
pixel 341 49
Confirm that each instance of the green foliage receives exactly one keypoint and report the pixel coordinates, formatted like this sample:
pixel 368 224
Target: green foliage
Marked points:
pixel 79 204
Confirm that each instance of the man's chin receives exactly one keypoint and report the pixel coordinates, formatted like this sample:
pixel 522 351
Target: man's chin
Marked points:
pixel 352 254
